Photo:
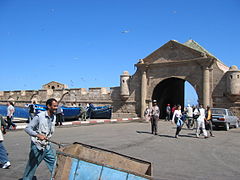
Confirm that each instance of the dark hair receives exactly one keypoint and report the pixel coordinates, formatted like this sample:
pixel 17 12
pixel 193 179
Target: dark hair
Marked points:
pixel 10 102
pixel 49 101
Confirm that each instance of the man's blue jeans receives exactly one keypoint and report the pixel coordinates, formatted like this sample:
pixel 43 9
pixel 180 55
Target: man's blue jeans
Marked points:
pixel 3 153
pixel 35 158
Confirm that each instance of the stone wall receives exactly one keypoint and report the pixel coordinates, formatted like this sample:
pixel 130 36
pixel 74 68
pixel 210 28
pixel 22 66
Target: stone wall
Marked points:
pixel 73 97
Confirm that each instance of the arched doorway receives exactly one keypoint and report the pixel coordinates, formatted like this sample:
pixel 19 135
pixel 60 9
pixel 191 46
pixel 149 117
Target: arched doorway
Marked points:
pixel 169 91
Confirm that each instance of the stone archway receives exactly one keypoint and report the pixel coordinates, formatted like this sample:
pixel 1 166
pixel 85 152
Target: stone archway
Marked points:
pixel 169 91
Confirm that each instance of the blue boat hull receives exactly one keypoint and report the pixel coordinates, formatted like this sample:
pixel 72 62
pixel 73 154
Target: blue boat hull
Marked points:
pixel 100 112
pixel 70 113
pixel 20 112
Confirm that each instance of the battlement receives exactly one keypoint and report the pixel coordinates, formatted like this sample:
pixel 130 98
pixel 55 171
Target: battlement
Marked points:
pixel 77 95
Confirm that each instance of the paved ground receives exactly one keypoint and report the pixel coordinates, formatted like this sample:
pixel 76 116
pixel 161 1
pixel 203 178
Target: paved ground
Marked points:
pixel 216 158
pixel 21 124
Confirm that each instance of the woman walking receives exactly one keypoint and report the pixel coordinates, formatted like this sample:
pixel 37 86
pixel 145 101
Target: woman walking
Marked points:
pixel 177 120
pixel 10 112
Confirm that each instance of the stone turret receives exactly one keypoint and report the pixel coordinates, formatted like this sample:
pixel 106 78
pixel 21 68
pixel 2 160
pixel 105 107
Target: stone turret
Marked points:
pixel 124 88
pixel 233 83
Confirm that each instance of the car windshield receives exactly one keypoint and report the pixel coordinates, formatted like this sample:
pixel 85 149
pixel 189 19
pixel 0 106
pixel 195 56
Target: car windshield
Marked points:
pixel 219 111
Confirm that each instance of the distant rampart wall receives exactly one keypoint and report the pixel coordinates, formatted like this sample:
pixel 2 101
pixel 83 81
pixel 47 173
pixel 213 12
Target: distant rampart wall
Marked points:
pixel 73 97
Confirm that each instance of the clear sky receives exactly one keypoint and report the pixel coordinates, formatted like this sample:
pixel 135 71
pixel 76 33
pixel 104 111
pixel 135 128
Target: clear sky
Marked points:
pixel 89 43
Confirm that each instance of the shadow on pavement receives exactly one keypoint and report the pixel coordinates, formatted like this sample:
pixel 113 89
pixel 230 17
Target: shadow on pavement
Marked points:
pixel 163 135
pixel 190 136
pixel 34 178
pixel 144 132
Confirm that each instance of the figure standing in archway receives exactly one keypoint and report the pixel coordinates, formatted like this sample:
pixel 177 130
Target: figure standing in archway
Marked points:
pixel 155 112
pixel 177 120
pixel 168 112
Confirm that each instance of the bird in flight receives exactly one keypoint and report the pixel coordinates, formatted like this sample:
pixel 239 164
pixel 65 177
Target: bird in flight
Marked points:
pixel 125 31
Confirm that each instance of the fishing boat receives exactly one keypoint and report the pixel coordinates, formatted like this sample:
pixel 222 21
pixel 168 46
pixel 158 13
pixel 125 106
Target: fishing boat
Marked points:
pixel 100 112
pixel 70 113
pixel 20 112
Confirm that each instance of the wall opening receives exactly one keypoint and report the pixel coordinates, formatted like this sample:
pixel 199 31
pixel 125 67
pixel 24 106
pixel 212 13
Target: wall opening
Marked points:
pixel 174 91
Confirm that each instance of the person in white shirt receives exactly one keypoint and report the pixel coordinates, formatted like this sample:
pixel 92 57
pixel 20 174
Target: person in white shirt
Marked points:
pixel 201 122
pixel 177 120
pixel 10 112
pixel 147 114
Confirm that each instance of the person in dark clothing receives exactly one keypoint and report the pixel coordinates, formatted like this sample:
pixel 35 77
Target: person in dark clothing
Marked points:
pixel 168 112
pixel 59 116
pixel 155 112
pixel 31 111
pixel 208 121
pixel 4 161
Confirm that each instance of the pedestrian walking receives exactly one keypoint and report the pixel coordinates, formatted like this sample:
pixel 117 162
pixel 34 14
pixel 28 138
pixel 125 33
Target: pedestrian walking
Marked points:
pixel 83 112
pixel 173 109
pixel 168 112
pixel 201 122
pixel 189 114
pixel 31 110
pixel 90 110
pixel 4 161
pixel 195 115
pixel 10 113
pixel 208 121
pixel 59 116
pixel 177 115
pixel 147 114
pixel 41 129
pixel 155 112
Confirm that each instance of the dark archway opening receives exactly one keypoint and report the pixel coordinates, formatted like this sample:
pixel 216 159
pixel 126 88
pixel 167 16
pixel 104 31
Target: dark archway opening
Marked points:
pixel 169 91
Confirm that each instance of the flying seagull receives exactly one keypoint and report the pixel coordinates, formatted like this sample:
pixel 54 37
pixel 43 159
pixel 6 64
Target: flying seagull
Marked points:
pixel 125 31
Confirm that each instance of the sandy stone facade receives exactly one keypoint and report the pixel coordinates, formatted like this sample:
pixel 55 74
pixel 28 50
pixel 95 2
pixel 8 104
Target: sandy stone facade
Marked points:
pixel 161 76
pixel 54 85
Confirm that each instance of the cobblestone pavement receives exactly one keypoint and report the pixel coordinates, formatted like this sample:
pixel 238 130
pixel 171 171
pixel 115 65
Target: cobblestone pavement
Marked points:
pixel 216 158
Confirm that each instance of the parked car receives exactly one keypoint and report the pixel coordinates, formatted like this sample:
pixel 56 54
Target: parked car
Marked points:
pixel 224 117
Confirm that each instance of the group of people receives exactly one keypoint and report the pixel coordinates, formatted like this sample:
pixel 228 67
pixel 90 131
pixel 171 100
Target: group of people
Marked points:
pixel 42 126
pixel 190 116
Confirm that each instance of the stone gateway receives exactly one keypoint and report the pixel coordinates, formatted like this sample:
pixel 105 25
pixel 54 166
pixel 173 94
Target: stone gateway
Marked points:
pixel 161 76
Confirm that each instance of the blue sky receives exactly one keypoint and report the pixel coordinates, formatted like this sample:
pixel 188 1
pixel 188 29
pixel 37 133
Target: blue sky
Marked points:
pixel 90 43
